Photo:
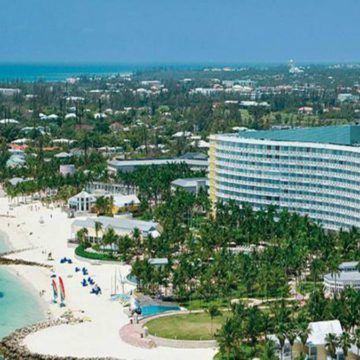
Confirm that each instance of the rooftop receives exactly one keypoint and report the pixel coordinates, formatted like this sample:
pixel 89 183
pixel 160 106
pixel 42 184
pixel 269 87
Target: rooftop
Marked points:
pixel 340 135
pixel 118 223
pixel 347 277
pixel 320 329
pixel 185 182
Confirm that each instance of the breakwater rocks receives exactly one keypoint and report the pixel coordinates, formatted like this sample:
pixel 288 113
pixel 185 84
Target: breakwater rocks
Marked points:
pixel 11 347
pixel 6 261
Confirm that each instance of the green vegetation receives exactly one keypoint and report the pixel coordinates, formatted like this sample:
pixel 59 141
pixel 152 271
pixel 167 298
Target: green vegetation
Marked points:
pixel 81 251
pixel 194 326
pixel 307 287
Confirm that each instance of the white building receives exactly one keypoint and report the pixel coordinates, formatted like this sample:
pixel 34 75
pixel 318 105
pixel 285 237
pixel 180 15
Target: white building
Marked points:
pixel 347 276
pixel 192 185
pixel 311 171
pixel 122 225
pixel 82 202
pixel 68 169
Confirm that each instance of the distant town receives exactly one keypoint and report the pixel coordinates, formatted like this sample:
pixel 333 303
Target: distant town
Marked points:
pixel 185 213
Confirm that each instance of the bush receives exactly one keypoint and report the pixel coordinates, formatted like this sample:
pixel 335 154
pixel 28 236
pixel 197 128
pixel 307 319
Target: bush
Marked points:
pixel 81 251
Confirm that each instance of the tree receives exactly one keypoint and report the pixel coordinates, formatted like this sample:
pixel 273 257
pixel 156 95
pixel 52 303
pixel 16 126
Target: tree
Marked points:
pixel 136 235
pixel 104 205
pixel 110 237
pixel 98 227
pixel 227 338
pixel 280 332
pixel 303 332
pixel 81 235
pixel 344 341
pixel 356 340
pixel 331 342
pixel 269 351
pixel 291 336
pixel 213 311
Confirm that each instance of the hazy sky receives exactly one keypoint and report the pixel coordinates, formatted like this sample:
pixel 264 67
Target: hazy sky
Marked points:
pixel 181 31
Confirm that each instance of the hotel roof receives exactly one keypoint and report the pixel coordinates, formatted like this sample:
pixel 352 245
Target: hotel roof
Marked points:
pixel 340 135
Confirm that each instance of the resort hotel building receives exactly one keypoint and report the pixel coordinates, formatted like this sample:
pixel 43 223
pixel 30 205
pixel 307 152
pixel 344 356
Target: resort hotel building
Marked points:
pixel 311 171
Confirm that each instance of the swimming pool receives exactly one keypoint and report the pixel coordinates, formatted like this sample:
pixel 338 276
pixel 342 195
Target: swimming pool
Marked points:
pixel 157 309
pixel 122 297
pixel 132 279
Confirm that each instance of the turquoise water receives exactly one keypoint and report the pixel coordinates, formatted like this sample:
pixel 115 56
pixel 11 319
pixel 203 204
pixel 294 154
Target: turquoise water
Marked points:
pixel 18 305
pixel 4 246
pixel 58 72
pixel 157 309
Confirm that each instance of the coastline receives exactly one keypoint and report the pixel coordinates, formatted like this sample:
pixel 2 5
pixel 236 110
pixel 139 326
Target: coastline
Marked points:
pixel 26 287
pixel 43 304
pixel 45 229
pixel 5 243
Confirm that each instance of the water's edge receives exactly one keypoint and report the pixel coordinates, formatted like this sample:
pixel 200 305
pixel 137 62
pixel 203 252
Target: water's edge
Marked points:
pixel 20 297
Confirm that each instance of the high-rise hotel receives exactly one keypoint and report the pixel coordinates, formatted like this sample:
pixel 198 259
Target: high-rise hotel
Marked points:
pixel 313 171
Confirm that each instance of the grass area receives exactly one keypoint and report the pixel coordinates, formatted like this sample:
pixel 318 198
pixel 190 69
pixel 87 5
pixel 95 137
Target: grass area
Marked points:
pixel 306 287
pixel 199 304
pixel 195 326
pixel 81 251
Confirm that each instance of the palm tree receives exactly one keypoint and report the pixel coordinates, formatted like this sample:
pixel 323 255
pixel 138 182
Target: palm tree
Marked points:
pixel 356 340
pixel 110 237
pixel 98 227
pixel 281 336
pixel 213 311
pixel 269 351
pixel 334 269
pixel 291 336
pixel 227 338
pixel 331 342
pixel 344 341
pixel 303 332
pixel 137 239
pixel 81 235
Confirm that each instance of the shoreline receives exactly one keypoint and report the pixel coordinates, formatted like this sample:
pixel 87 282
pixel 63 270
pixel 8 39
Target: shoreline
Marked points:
pixel 28 286
pixel 4 238
pixel 45 229
pixel 43 305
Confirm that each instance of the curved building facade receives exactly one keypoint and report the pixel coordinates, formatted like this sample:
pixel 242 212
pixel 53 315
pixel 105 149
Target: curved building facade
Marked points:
pixel 311 171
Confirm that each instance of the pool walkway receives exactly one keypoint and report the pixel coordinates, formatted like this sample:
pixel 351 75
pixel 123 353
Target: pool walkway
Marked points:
pixel 133 334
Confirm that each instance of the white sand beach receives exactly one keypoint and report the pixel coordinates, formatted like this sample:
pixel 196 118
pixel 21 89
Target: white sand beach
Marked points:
pixel 98 337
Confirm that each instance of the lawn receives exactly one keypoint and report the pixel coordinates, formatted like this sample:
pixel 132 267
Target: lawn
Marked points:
pixel 195 326
pixel 81 251
pixel 306 287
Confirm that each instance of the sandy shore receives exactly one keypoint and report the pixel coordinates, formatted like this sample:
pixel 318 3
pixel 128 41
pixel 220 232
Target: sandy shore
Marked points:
pixel 98 337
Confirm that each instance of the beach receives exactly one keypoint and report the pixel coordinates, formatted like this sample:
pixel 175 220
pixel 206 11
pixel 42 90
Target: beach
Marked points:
pixel 42 230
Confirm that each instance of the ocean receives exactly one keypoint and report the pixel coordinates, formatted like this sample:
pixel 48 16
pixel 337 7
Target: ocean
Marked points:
pixel 19 305
pixel 27 72
pixel 58 72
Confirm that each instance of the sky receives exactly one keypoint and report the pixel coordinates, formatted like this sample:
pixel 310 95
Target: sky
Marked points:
pixel 179 31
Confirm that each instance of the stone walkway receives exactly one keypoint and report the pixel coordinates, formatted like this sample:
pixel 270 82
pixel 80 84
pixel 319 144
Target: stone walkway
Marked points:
pixel 131 334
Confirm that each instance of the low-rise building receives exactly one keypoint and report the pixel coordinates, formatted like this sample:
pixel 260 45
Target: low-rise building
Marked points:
pixel 109 188
pixel 317 339
pixel 315 347
pixel 67 169
pixel 125 203
pixel 196 161
pixel 348 275
pixel 82 202
pixel 192 185
pixel 122 225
